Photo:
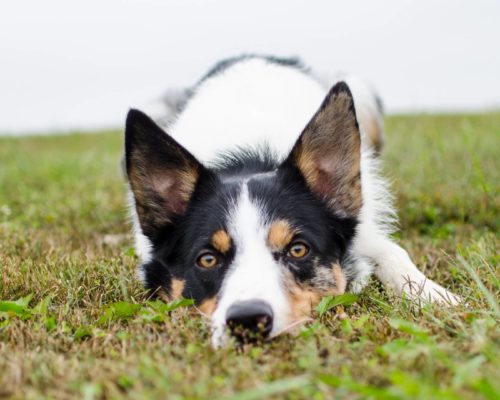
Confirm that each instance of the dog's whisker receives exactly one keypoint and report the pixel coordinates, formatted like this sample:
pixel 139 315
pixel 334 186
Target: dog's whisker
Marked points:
pixel 203 314
pixel 292 325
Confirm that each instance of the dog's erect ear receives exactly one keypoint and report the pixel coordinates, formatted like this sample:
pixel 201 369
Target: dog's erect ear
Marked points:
pixel 328 153
pixel 162 174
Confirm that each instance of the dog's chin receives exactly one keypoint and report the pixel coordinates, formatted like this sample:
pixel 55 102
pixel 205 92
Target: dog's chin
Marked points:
pixel 222 339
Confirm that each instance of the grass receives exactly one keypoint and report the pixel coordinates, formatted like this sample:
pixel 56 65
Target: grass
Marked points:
pixel 74 322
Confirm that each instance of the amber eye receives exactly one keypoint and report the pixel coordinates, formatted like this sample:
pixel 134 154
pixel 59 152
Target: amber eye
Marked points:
pixel 298 250
pixel 207 260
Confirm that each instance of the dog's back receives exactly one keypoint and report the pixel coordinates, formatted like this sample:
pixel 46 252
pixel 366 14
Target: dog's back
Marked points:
pixel 254 100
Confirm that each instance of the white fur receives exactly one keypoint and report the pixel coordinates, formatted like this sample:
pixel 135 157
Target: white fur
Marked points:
pixel 254 274
pixel 253 102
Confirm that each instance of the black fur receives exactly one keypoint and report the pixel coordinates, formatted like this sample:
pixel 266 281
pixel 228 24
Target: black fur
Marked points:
pixel 223 65
pixel 286 196
pixel 246 161
pixel 283 194
pixel 180 244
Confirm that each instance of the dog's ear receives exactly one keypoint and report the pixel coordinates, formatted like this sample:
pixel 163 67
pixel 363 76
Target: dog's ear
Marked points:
pixel 162 174
pixel 328 153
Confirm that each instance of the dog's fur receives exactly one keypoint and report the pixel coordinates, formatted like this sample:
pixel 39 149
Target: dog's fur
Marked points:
pixel 266 164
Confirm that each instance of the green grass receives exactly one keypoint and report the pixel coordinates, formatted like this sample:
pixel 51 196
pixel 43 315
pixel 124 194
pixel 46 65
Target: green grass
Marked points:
pixel 81 326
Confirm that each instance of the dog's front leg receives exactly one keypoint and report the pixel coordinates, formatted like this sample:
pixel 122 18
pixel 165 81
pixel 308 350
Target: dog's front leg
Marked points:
pixel 395 269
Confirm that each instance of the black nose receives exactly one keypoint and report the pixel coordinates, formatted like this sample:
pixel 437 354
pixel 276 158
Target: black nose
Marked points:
pixel 250 320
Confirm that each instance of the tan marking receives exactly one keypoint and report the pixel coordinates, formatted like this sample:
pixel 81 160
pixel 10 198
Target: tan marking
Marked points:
pixel 188 180
pixel 177 287
pixel 303 298
pixel 208 306
pixel 221 241
pixel 280 235
pixel 371 123
pixel 374 132
pixel 307 165
pixel 340 280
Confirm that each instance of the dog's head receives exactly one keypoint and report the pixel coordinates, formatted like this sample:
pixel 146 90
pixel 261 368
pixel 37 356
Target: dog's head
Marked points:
pixel 255 242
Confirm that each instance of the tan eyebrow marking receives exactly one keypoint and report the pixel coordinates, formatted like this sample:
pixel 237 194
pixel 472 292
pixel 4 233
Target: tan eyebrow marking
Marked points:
pixel 221 241
pixel 280 234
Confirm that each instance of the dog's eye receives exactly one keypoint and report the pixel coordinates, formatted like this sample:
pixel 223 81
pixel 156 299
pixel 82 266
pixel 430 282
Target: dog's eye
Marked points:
pixel 207 260
pixel 298 250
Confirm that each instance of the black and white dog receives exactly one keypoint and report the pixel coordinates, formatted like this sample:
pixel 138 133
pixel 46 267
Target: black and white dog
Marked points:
pixel 267 199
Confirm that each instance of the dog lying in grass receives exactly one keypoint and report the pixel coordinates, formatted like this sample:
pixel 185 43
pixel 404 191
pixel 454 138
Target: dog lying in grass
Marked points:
pixel 264 196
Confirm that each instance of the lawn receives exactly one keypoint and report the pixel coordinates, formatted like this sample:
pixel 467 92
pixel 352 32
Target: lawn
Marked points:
pixel 75 323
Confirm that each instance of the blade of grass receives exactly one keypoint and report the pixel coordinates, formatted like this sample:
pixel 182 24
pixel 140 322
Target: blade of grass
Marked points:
pixel 274 388
pixel 487 294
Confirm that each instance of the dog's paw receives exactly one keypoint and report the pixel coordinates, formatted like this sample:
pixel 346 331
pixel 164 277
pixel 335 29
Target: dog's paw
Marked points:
pixel 430 292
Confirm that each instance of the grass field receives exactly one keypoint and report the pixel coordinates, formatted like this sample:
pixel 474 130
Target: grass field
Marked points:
pixel 74 323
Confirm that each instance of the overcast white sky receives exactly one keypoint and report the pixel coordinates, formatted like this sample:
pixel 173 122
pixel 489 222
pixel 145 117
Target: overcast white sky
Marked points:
pixel 81 64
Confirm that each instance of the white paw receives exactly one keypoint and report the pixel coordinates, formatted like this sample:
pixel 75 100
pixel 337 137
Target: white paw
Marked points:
pixel 429 291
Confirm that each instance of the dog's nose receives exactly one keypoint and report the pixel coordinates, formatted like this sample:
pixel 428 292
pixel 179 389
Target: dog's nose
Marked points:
pixel 249 320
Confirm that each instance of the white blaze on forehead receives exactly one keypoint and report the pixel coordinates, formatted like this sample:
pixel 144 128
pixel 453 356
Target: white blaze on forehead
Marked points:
pixel 254 273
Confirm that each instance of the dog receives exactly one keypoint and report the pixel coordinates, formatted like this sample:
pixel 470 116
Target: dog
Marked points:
pixel 264 196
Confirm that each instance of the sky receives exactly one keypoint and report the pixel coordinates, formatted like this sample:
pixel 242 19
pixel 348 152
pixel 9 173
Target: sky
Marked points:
pixel 82 64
